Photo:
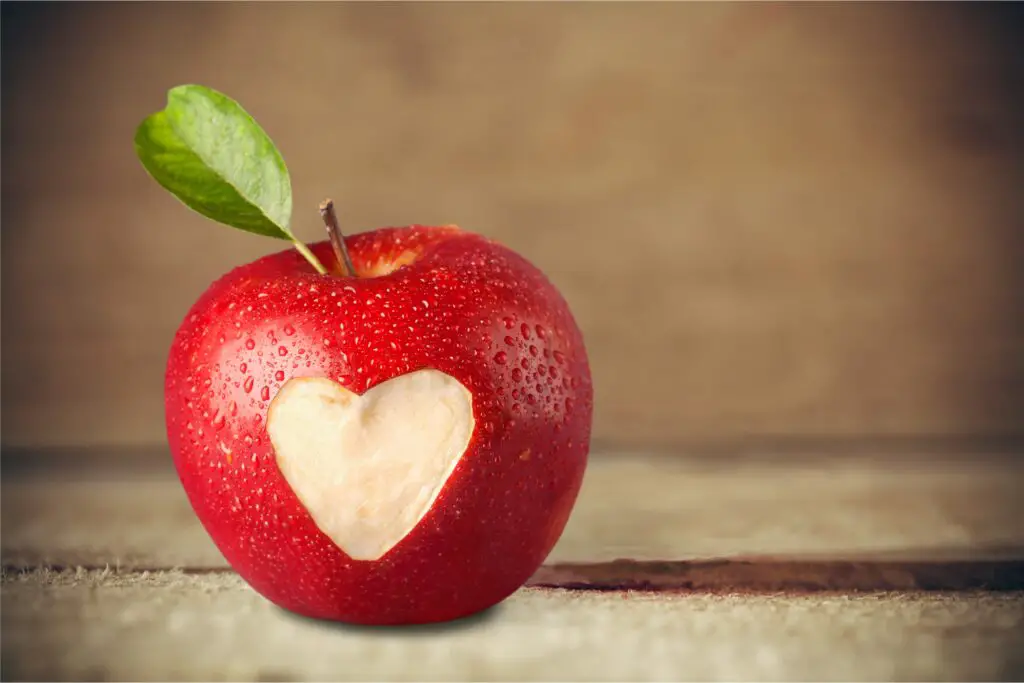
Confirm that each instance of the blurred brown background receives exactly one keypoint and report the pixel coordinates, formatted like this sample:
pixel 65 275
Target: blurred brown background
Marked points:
pixel 773 222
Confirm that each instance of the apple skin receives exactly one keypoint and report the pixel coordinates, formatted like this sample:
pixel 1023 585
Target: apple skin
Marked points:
pixel 466 306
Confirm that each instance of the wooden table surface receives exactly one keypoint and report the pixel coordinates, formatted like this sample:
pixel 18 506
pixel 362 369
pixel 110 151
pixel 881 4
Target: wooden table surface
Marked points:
pixel 671 568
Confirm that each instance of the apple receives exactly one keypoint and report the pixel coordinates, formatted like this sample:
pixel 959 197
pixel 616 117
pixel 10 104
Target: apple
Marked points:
pixel 396 437
pixel 399 444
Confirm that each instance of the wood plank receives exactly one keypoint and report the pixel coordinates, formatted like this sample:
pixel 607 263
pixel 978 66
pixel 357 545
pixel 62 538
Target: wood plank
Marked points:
pixel 104 626
pixel 802 220
pixel 633 506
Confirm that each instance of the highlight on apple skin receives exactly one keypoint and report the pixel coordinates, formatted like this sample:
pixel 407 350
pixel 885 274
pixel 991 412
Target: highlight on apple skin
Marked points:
pixel 402 446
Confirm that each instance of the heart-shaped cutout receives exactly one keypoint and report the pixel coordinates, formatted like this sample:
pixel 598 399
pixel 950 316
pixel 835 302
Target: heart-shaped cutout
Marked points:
pixel 368 468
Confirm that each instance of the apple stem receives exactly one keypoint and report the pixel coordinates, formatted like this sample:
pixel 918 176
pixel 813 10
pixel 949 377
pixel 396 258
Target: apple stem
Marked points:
pixel 309 256
pixel 330 219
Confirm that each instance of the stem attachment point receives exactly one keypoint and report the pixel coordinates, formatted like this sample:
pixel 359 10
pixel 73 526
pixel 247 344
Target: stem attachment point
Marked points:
pixel 330 219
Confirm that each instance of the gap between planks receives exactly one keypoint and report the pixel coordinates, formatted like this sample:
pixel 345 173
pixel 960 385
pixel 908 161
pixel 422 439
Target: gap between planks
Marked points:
pixel 753 575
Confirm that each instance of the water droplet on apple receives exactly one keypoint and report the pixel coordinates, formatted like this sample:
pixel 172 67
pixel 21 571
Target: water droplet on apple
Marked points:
pixel 525 329
pixel 541 333
pixel 248 384
pixel 517 375
pixel 242 367
pixel 218 421
pixel 553 371
pixel 279 375
pixel 509 323
pixel 568 405
pixel 282 351
pixel 265 393
pixel 510 341
pixel 524 364
pixel 289 330
pixel 250 344
pixel 542 370
pixel 233 408
pixel 533 350
pixel 500 357
pixel 559 358
pixel 531 399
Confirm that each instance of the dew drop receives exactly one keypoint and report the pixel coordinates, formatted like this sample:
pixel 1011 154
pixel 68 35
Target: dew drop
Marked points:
pixel 541 334
pixel 282 351
pixel 517 375
pixel 542 370
pixel 510 341
pixel 248 384
pixel 289 330
pixel 243 367
pixel 233 409
pixel 218 421
pixel 265 393
pixel 500 357
pixel 250 344
pixel 531 399
pixel 279 375
pixel 533 350
pixel 559 358
pixel 509 323
pixel 525 329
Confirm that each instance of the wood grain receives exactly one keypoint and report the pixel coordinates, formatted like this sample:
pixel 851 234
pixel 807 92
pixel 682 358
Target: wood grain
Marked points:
pixel 168 626
pixel 679 507
pixel 769 220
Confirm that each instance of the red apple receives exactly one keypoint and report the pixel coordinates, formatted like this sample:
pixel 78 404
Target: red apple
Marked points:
pixel 404 446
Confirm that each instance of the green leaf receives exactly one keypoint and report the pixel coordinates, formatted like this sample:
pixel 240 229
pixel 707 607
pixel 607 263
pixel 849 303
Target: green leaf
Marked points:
pixel 209 153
